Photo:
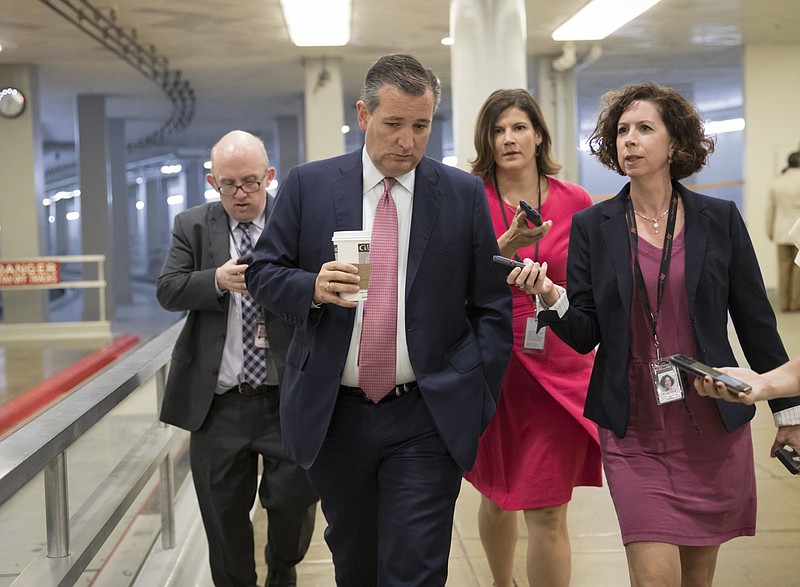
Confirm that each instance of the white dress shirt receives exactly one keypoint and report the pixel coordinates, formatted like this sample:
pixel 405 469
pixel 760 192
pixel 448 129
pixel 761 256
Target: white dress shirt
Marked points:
pixel 403 195
pixel 232 365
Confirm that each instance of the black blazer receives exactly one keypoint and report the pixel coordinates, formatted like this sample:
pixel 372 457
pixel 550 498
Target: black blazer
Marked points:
pixel 200 244
pixel 722 276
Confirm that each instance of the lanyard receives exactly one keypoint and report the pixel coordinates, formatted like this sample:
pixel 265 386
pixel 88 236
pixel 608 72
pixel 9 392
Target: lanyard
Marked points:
pixel 503 211
pixel 666 256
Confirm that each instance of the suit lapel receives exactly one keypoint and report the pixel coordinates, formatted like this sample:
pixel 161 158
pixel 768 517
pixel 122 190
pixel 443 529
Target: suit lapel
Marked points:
pixel 218 233
pixel 615 235
pixel 425 211
pixel 347 193
pixel 696 225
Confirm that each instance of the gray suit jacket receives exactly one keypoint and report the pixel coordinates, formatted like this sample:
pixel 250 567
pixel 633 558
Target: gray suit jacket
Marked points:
pixel 200 245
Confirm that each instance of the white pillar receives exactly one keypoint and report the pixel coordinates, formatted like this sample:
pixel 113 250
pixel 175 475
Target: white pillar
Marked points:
pixel 558 98
pixel 489 53
pixel 324 109
pixel 771 98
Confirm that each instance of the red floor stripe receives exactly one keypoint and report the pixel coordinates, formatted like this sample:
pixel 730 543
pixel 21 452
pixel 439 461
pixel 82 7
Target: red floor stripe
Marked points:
pixel 22 408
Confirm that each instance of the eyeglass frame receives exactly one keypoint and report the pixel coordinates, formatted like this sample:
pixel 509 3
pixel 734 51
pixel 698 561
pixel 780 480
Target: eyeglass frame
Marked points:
pixel 240 186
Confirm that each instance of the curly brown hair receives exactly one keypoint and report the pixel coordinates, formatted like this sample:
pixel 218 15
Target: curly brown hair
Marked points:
pixel 484 165
pixel 683 122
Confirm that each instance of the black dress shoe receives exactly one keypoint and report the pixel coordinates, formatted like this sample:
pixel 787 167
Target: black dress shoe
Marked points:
pixel 285 578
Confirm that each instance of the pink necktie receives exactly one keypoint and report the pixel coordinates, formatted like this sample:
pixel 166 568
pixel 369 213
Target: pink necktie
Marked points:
pixel 377 355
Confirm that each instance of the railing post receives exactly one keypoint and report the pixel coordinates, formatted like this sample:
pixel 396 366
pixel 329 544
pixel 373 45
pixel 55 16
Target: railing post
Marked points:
pixel 56 506
pixel 166 489
pixel 161 385
pixel 166 498
pixel 101 290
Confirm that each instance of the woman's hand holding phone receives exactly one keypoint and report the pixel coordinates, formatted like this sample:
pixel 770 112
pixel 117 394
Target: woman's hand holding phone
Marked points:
pixel 521 234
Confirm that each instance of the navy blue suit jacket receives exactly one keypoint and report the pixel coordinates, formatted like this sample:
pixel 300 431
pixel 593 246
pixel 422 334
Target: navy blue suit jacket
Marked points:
pixel 458 310
pixel 722 276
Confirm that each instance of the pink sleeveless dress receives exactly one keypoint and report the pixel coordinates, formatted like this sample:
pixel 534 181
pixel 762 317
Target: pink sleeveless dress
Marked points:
pixel 538 445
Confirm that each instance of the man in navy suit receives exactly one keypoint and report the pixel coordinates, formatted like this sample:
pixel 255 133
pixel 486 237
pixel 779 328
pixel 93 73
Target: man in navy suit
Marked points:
pixel 388 469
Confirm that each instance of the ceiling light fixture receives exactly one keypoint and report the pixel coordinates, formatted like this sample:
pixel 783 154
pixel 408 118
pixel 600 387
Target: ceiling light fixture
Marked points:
pixel 600 18
pixel 718 127
pixel 317 23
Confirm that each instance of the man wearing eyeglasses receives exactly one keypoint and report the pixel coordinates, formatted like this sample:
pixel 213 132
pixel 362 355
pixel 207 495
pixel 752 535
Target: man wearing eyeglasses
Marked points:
pixel 225 371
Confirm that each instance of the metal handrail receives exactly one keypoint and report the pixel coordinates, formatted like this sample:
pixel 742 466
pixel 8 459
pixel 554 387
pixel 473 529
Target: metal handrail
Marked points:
pixel 41 444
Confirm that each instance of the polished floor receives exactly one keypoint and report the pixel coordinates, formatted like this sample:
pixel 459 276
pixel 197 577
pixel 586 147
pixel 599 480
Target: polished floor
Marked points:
pixel 598 559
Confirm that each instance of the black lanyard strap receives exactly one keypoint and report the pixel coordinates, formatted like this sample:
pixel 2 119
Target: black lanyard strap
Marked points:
pixel 666 256
pixel 503 211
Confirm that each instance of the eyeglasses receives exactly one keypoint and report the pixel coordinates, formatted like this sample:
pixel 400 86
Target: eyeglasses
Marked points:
pixel 229 190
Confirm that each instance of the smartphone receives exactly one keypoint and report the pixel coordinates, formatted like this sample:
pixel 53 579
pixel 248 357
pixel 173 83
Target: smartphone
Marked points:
pixel 789 458
pixel 690 365
pixel 244 260
pixel 532 213
pixel 504 264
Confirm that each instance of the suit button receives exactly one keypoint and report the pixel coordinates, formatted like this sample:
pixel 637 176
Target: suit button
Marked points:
pixel 215 372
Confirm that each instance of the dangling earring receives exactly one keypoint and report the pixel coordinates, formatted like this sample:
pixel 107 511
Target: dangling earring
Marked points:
pixel 538 150
pixel 669 158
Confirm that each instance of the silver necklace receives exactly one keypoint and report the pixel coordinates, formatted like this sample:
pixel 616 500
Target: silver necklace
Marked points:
pixel 654 219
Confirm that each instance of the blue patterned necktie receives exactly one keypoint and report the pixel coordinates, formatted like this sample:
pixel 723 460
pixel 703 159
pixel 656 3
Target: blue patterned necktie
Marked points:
pixel 254 365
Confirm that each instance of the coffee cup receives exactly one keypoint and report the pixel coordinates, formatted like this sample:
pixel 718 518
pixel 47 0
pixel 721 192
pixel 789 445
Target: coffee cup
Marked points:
pixel 352 246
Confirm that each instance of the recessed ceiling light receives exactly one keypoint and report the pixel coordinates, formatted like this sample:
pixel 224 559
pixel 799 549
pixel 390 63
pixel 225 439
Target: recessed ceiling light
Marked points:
pixel 600 18
pixel 317 23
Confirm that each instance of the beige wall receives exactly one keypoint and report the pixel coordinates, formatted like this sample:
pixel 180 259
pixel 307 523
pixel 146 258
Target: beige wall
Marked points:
pixel 772 115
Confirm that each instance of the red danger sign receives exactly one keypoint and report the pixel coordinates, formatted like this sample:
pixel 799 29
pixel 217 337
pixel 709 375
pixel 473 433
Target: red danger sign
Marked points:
pixel 30 273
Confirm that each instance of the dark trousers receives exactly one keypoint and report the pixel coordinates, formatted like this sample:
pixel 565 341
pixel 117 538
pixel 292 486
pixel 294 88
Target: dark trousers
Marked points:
pixel 224 455
pixel 388 488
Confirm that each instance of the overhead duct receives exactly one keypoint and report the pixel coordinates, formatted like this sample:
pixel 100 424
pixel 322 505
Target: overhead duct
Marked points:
pixel 569 57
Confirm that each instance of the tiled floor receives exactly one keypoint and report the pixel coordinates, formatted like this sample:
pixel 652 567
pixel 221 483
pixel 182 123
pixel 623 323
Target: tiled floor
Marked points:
pixel 598 559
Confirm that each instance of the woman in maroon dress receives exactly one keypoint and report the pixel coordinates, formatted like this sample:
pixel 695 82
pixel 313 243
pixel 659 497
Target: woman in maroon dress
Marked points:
pixel 538 446
pixel 652 272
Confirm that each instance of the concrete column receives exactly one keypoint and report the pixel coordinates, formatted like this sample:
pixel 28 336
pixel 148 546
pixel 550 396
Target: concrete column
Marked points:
pixel 196 184
pixel 289 139
pixel 157 227
pixel 22 215
pixel 91 135
pixel 120 270
pixel 489 53
pixel 324 108
pixel 773 131
pixel 434 149
pixel 558 97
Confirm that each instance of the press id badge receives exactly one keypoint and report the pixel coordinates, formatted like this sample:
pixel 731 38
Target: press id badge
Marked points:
pixel 261 334
pixel 534 341
pixel 666 382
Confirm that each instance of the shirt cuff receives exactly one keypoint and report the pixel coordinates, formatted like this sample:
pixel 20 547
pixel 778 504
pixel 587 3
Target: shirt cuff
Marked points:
pixel 562 303
pixel 787 417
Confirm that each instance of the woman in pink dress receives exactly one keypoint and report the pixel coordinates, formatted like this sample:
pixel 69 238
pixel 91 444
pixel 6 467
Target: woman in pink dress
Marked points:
pixel 538 446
